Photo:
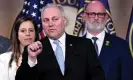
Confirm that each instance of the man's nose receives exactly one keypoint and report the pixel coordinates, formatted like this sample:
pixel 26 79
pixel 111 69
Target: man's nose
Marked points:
pixel 50 23
pixel 96 17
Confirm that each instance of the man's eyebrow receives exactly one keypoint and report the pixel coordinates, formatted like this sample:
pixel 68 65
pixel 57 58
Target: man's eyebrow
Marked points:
pixel 44 18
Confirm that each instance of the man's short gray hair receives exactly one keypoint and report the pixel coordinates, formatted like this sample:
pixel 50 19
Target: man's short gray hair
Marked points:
pixel 53 5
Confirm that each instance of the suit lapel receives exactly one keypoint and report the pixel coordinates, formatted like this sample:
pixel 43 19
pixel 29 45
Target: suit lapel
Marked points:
pixel 105 46
pixel 69 52
pixel 47 48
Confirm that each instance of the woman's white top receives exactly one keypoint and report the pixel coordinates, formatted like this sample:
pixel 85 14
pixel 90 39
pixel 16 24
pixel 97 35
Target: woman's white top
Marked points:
pixel 7 73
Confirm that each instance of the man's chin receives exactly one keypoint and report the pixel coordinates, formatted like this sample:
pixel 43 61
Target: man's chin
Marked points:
pixel 96 30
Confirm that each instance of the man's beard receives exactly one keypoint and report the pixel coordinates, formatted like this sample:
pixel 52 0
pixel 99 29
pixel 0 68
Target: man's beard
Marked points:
pixel 95 27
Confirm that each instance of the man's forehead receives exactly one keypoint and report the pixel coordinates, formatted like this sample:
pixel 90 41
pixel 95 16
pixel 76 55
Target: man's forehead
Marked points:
pixel 51 10
pixel 95 8
pixel 95 4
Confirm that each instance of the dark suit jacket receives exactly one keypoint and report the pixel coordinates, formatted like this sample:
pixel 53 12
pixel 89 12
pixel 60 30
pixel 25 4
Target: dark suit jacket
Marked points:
pixel 5 43
pixel 81 62
pixel 115 59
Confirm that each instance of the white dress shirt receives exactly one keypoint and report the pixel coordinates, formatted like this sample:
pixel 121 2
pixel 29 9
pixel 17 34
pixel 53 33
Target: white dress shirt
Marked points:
pixel 61 43
pixel 99 41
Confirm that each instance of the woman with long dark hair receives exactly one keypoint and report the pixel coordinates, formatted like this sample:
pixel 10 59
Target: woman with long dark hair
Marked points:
pixel 24 33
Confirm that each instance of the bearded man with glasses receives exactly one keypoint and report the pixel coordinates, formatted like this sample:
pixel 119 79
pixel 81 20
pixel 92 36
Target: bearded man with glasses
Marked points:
pixel 112 51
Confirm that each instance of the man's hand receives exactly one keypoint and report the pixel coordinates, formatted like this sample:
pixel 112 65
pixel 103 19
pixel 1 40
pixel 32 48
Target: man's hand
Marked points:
pixel 33 50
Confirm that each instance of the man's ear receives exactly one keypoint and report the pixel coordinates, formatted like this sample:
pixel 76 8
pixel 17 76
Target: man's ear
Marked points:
pixel 84 17
pixel 106 16
pixel 65 21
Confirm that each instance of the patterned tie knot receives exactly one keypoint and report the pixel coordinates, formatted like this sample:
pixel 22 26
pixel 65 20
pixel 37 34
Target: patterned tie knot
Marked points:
pixel 94 38
pixel 56 42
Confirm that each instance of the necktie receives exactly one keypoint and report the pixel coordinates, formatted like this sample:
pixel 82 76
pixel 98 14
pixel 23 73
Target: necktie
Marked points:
pixel 59 56
pixel 95 44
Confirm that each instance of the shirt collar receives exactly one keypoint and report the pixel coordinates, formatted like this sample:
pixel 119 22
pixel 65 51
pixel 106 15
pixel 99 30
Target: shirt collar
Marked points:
pixel 100 36
pixel 61 39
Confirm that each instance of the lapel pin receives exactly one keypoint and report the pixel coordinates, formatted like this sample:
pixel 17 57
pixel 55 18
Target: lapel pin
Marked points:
pixel 70 44
pixel 107 43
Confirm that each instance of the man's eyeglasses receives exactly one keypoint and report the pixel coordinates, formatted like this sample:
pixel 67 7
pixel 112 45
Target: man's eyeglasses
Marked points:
pixel 93 14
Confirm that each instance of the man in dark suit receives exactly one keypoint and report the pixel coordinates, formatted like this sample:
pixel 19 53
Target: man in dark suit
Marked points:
pixel 4 44
pixel 77 59
pixel 113 52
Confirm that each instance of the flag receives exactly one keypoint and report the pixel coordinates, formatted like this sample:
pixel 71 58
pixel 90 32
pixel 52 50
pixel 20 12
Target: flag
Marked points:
pixel 33 8
pixel 79 30
pixel 129 36
pixel 109 27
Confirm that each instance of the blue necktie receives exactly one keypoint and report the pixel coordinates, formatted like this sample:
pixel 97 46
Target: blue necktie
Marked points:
pixel 59 56
pixel 95 44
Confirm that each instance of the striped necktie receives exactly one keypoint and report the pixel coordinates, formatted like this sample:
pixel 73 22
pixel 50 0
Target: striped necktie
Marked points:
pixel 95 44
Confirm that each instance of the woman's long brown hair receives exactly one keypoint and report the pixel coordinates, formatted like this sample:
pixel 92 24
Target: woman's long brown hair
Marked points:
pixel 14 37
